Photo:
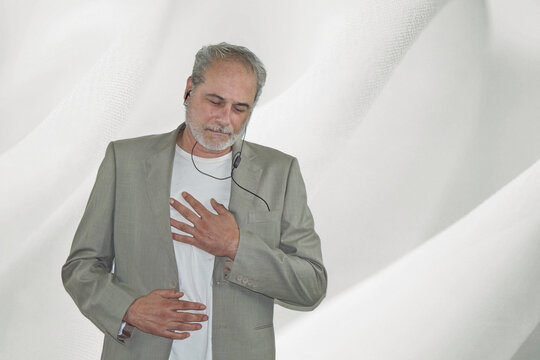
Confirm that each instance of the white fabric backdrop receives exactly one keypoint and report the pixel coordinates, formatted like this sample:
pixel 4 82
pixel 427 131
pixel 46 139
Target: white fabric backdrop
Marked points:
pixel 405 115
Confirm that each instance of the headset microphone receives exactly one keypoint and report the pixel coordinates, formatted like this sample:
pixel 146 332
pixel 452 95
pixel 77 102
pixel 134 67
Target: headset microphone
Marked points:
pixel 237 159
pixel 238 155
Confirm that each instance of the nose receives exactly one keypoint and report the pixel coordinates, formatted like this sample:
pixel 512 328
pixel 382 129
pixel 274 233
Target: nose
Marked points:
pixel 224 115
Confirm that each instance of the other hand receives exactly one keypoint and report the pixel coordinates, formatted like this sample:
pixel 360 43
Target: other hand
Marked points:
pixel 215 234
pixel 162 313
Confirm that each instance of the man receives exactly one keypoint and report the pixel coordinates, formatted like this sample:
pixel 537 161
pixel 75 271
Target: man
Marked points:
pixel 189 237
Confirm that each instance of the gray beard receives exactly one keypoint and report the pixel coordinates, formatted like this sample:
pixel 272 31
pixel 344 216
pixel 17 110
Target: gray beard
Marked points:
pixel 199 136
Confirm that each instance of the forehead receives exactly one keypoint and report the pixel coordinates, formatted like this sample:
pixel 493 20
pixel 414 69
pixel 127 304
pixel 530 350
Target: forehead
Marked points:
pixel 231 80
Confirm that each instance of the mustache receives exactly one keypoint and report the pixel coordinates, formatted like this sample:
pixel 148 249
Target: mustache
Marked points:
pixel 222 129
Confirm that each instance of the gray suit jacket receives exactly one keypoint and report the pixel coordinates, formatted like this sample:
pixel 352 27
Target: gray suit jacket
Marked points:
pixel 126 223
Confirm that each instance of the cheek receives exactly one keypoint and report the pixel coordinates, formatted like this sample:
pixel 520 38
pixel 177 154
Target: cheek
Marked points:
pixel 209 112
pixel 237 126
pixel 200 113
pixel 238 123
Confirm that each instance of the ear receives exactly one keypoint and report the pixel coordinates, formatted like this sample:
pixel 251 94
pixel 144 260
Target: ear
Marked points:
pixel 189 85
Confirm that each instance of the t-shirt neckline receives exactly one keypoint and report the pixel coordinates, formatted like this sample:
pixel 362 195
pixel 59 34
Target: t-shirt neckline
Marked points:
pixel 187 156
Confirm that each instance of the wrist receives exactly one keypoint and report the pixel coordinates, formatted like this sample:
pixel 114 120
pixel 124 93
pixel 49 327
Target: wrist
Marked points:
pixel 128 316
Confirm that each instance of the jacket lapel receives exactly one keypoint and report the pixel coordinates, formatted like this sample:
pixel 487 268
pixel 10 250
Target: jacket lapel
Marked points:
pixel 158 169
pixel 247 175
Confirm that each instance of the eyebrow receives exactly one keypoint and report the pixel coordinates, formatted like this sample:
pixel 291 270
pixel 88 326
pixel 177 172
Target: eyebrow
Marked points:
pixel 223 99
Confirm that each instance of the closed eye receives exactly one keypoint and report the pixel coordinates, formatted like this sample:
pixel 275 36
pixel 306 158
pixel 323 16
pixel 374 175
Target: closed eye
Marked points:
pixel 240 109
pixel 217 100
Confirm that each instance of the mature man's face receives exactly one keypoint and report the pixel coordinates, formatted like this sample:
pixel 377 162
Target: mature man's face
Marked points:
pixel 218 108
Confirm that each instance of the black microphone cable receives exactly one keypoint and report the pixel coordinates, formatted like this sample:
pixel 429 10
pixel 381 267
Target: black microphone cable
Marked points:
pixel 236 163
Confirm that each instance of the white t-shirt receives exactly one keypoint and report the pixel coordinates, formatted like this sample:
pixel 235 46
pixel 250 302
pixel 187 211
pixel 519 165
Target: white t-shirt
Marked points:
pixel 195 266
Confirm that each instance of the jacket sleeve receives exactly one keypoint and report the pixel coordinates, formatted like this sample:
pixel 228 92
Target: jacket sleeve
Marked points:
pixel 292 272
pixel 87 274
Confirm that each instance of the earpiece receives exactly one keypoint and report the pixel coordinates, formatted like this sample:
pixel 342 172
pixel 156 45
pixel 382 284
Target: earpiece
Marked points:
pixel 188 94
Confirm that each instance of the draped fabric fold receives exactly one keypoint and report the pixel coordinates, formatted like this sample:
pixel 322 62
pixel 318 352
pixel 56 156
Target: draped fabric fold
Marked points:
pixel 471 292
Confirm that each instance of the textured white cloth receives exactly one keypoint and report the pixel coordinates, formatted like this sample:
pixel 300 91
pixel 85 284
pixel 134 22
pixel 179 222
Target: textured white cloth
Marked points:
pixel 195 266
pixel 433 102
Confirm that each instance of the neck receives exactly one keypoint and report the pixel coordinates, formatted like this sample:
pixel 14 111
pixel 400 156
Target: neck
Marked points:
pixel 187 142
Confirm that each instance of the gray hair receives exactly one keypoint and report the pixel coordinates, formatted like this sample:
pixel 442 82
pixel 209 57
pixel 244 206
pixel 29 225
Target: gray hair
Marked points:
pixel 225 51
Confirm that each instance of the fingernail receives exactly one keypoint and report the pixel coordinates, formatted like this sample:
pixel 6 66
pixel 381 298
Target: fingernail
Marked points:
pixel 202 307
pixel 205 318
pixel 171 201
pixel 184 194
